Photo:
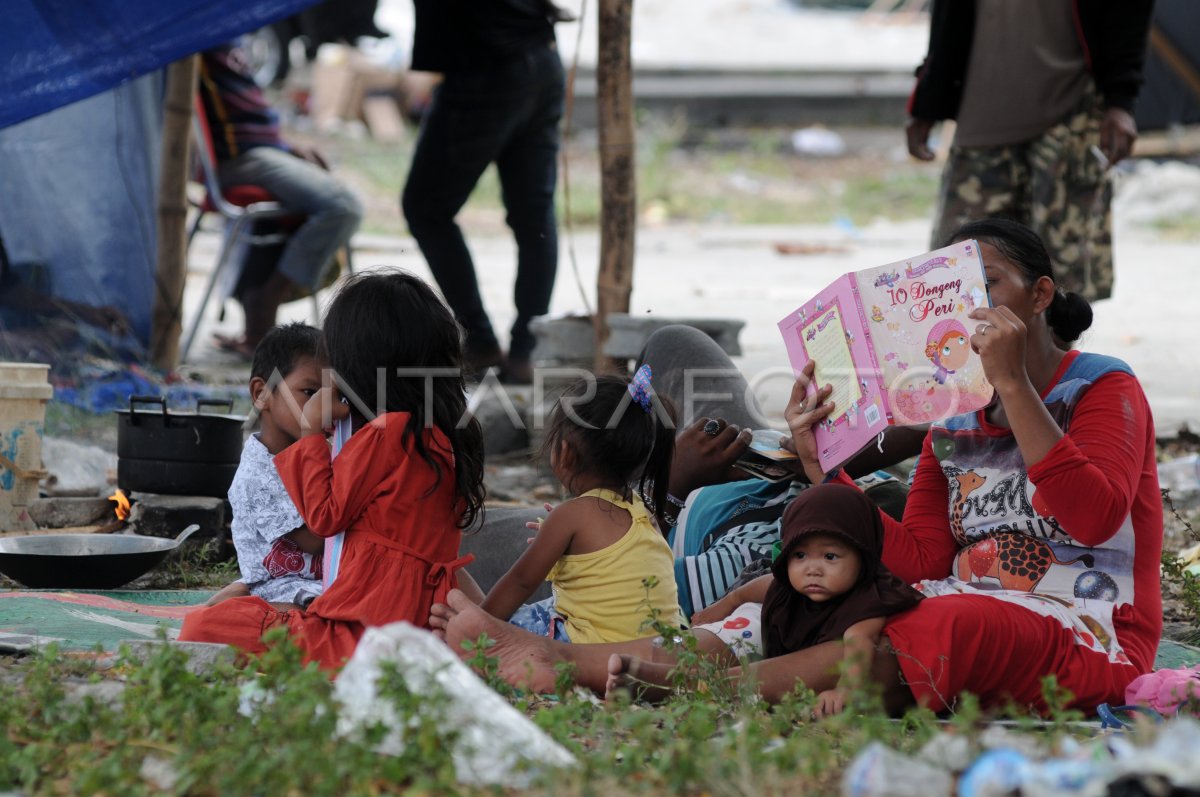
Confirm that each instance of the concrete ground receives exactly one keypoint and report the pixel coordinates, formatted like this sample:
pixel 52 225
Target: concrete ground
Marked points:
pixel 735 271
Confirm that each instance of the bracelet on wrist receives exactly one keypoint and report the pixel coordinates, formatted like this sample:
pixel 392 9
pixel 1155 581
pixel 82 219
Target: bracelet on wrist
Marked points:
pixel 673 501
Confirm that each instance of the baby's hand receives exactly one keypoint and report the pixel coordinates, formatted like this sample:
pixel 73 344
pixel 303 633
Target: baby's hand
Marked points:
pixel 830 702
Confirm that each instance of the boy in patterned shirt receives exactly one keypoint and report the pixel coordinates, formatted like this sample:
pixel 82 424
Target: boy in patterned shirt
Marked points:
pixel 279 558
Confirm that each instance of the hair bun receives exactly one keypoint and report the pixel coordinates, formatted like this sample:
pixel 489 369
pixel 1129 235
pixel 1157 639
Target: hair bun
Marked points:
pixel 1070 315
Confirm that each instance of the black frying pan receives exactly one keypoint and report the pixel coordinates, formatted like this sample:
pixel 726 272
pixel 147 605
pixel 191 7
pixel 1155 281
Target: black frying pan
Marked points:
pixel 83 561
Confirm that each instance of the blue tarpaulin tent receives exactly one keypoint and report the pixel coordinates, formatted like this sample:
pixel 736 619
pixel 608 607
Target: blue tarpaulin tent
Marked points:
pixel 80 133
pixel 54 52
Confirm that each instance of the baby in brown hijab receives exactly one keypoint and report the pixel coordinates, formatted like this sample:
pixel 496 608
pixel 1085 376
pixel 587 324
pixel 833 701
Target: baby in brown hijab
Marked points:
pixel 828 584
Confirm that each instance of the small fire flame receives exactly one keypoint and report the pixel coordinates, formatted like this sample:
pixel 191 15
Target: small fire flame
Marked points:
pixel 122 504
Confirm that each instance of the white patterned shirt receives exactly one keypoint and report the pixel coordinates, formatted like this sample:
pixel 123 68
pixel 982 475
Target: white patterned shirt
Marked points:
pixel 272 566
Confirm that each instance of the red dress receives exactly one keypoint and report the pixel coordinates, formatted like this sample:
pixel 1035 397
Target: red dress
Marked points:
pixel 399 555
pixel 1029 572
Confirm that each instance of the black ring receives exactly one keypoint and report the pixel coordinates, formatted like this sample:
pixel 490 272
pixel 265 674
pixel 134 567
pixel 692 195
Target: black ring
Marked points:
pixel 712 428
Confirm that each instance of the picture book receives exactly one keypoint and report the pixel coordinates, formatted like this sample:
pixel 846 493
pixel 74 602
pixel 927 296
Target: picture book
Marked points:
pixel 894 342
pixel 765 458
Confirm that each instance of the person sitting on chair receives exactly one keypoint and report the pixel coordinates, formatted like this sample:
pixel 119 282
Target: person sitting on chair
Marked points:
pixel 250 151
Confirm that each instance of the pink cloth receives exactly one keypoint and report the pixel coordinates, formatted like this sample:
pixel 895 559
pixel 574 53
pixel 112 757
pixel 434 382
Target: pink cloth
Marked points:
pixel 1165 690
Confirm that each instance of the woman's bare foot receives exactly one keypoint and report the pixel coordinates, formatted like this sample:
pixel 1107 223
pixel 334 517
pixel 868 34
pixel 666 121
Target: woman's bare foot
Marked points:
pixel 637 678
pixel 526 661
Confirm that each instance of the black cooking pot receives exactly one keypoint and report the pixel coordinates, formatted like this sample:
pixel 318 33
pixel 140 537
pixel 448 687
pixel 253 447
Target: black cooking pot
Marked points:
pixel 178 453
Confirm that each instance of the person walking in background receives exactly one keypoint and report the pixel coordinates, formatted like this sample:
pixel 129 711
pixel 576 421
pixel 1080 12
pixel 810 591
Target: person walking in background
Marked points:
pixel 1043 94
pixel 500 101
pixel 244 129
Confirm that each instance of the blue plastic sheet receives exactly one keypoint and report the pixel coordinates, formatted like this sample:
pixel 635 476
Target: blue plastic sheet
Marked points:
pixel 77 199
pixel 54 52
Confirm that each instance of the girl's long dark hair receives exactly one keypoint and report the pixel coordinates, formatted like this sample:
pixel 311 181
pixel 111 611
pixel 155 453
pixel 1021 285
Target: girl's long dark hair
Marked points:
pixel 615 438
pixel 389 321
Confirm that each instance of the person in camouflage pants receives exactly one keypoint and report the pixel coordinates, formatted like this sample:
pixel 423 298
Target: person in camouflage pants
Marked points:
pixel 1042 92
pixel 1057 184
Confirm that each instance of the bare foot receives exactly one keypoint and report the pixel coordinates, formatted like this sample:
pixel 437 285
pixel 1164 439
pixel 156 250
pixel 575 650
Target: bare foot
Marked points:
pixel 526 661
pixel 637 678
pixel 439 618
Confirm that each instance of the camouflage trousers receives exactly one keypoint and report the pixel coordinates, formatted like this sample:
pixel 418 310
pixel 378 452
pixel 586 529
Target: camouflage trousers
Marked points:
pixel 1055 183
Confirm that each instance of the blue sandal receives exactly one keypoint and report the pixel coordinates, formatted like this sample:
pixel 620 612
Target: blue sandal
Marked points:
pixel 1110 720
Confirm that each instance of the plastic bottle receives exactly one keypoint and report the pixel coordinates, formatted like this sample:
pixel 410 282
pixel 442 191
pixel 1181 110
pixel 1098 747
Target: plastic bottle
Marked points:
pixel 1181 475
pixel 879 771
pixel 996 773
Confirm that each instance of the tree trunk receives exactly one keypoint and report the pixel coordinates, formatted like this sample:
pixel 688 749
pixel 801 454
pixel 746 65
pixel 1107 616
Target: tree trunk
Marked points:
pixel 618 189
pixel 167 321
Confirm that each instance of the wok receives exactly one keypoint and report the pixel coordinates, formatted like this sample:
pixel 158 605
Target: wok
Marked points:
pixel 83 561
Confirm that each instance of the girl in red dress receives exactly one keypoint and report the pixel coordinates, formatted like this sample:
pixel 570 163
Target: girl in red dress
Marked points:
pixel 403 488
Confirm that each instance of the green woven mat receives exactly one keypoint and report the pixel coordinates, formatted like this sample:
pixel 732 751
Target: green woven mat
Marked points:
pixel 83 620
pixel 1174 655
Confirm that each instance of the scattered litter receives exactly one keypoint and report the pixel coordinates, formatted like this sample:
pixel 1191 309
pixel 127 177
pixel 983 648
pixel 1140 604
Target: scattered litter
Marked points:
pixel 818 142
pixel 100 385
pixel 1180 475
pixel 879 771
pixel 159 772
pixel 1110 764
pixel 797 248
pixel 76 469
pixel 1153 192
pixel 495 744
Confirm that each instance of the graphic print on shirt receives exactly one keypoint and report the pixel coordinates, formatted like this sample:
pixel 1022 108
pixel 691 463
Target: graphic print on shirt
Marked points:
pixel 1017 561
pixel 968 483
pixel 285 558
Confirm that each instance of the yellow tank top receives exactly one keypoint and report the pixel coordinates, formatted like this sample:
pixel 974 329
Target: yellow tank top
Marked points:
pixel 601 595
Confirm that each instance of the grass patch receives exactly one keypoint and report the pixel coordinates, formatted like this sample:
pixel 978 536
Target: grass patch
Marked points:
pixel 683 175
pixel 1180 227
pixel 170 730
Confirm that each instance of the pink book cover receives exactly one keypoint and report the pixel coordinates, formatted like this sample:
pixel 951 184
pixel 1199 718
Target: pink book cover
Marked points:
pixel 894 342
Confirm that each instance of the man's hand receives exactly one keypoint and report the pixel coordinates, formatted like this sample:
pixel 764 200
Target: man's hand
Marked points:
pixel 917 132
pixel 702 458
pixel 1118 131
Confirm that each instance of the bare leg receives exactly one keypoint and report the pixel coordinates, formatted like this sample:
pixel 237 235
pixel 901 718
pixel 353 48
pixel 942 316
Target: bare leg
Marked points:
pixel 526 660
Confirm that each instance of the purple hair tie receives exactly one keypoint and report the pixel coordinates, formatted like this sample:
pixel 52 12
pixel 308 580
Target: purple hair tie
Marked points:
pixel 641 390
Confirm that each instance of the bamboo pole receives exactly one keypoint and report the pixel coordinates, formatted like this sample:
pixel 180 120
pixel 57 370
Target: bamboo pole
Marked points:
pixel 618 183
pixel 167 321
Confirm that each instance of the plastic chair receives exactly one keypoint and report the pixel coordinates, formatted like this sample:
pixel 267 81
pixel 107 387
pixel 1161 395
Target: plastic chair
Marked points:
pixel 239 205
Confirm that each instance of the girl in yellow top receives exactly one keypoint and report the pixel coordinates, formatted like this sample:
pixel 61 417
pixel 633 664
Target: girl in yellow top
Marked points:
pixel 609 566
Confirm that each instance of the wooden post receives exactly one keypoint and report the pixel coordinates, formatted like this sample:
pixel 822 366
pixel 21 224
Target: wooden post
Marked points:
pixel 618 183
pixel 167 321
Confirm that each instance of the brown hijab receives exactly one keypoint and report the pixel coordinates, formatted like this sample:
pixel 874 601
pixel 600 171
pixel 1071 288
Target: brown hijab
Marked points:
pixel 790 620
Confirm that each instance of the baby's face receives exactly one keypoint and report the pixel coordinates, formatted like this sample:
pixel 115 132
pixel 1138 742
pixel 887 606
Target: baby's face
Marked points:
pixel 822 567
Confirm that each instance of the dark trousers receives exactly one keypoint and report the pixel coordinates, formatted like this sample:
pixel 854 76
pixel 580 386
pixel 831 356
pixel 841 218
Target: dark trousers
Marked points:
pixel 508 115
